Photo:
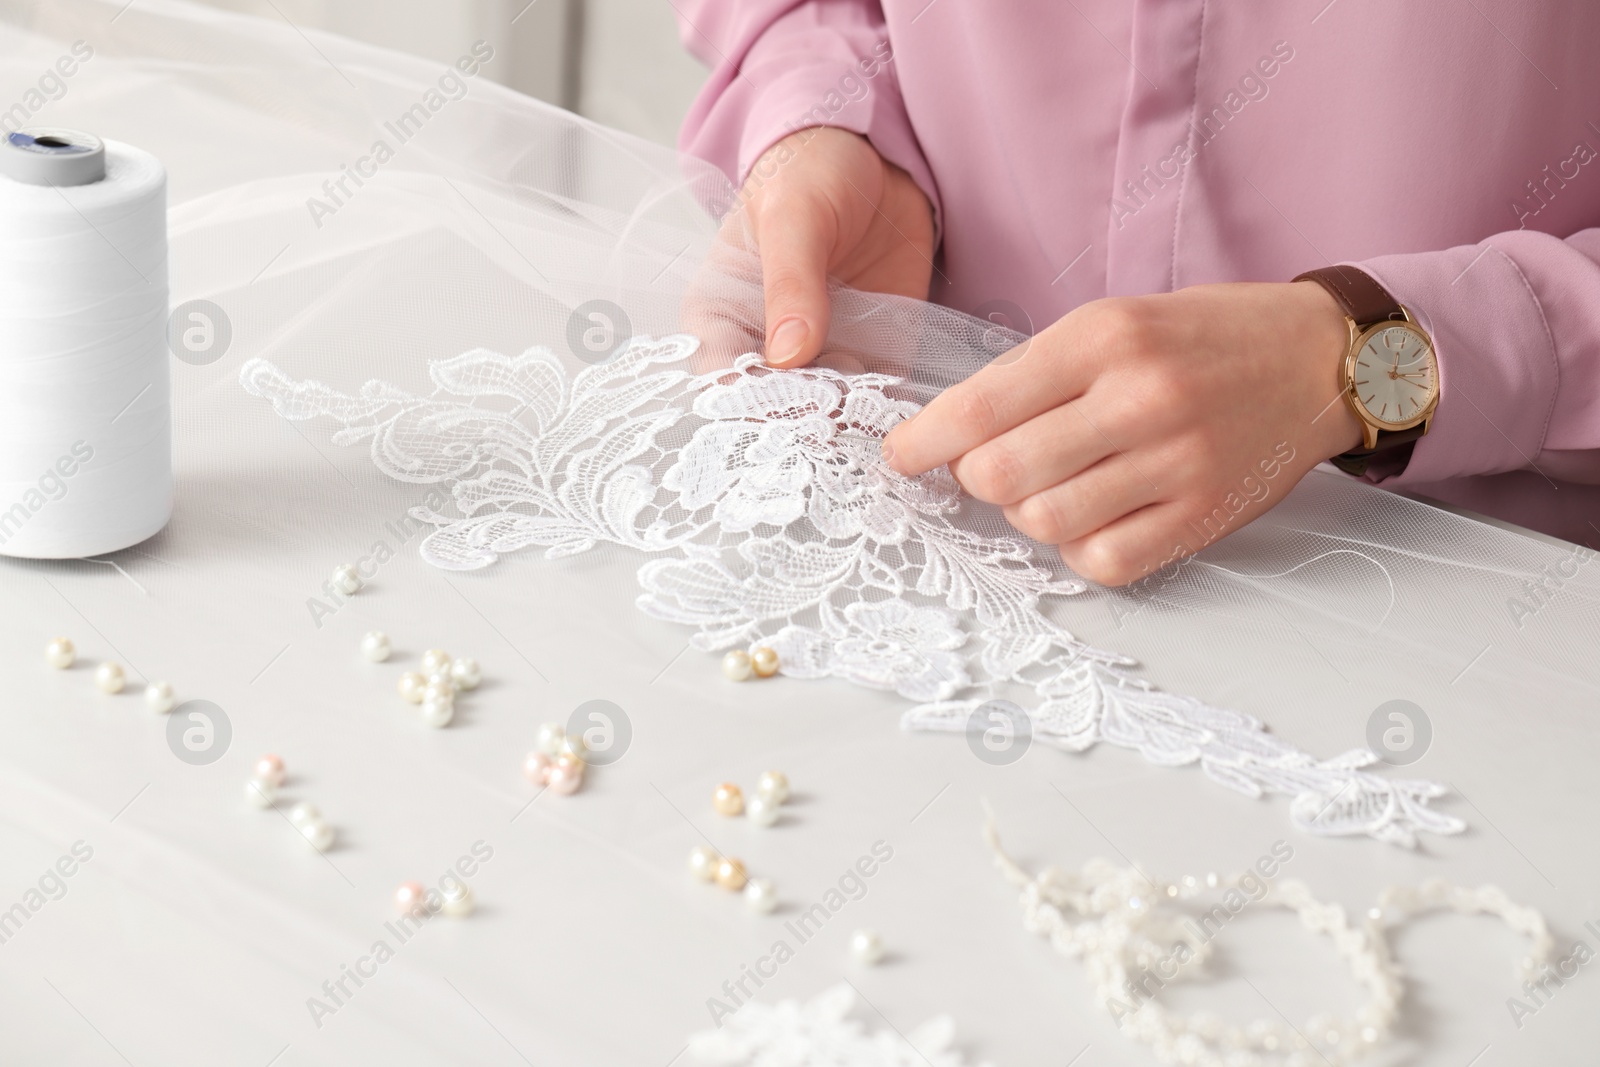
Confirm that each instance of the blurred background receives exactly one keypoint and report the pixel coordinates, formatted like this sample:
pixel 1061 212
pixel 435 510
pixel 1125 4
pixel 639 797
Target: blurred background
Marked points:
pixel 619 62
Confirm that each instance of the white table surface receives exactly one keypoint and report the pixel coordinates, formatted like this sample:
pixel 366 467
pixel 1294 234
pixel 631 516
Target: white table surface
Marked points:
pixel 200 927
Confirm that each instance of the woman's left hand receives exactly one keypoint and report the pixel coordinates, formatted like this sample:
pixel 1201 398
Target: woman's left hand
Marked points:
pixel 1137 430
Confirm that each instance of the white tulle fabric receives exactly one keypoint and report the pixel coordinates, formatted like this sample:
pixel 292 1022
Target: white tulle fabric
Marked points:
pixel 822 1033
pixel 768 516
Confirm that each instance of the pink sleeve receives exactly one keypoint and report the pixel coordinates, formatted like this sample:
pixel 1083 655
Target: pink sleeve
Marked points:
pixel 782 65
pixel 1516 323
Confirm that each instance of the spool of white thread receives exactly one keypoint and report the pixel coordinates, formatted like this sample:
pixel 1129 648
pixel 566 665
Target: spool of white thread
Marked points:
pixel 85 399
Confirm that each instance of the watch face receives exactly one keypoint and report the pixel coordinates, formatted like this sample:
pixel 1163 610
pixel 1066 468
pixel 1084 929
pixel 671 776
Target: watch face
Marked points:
pixel 1394 375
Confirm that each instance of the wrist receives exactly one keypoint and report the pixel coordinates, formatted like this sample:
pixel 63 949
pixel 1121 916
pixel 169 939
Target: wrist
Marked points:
pixel 1336 428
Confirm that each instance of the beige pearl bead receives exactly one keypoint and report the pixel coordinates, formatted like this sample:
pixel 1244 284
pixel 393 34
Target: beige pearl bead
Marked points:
pixel 760 895
pixel 437 713
pixel 459 900
pixel 551 736
pixel 774 785
pixel 730 874
pixel 375 646
pixel 764 661
pixel 435 660
pixel 160 697
pixel 736 666
pixel 466 673
pixel 761 810
pixel 110 677
pixel 411 687
pixel 347 579
pixel 728 799
pixel 703 863
pixel 60 654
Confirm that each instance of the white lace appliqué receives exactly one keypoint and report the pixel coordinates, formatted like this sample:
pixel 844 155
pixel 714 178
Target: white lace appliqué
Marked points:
pixel 820 1033
pixel 770 518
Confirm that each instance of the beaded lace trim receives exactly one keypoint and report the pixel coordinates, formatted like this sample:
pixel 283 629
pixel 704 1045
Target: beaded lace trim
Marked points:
pixel 1134 939
pixel 770 518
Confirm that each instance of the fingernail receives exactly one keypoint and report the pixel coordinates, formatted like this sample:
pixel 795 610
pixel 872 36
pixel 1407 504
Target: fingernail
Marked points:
pixel 888 452
pixel 786 340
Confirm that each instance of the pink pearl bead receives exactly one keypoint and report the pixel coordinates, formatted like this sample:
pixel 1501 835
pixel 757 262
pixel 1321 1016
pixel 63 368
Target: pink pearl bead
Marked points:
pixel 269 768
pixel 409 898
pixel 566 776
pixel 536 768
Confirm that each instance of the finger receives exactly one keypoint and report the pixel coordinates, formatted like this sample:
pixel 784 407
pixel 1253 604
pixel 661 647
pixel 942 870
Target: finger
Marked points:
pixel 1018 386
pixel 1135 545
pixel 722 303
pixel 1079 506
pixel 1042 452
pixel 795 240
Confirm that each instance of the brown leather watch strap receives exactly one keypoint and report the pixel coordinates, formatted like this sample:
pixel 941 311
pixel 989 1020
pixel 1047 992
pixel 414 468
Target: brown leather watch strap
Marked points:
pixel 1361 298
pixel 1366 302
pixel 1357 460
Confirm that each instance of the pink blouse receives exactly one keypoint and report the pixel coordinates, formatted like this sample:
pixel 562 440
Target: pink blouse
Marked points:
pixel 1075 149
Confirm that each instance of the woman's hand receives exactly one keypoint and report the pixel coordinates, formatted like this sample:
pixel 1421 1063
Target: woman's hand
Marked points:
pixel 819 203
pixel 1137 430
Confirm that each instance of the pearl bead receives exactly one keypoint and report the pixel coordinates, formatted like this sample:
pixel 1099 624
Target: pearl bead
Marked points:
pixel 728 799
pixel 304 814
pixel 764 661
pixel 437 713
pixel 60 654
pixel 109 677
pixel 736 666
pixel 761 811
pixel 411 898
pixel 260 793
pixel 536 768
pixel 435 660
pixel 411 685
pixel 159 697
pixel 572 747
pixel 774 785
pixel 866 946
pixel 466 672
pixel 760 895
pixel 269 768
pixel 458 899
pixel 566 775
pixel 375 646
pixel 347 580
pixel 703 862
pixel 319 834
pixel 551 734
pixel 438 693
pixel 730 874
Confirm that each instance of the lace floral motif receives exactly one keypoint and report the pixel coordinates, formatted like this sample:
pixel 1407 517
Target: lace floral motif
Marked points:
pixel 820 1033
pixel 770 518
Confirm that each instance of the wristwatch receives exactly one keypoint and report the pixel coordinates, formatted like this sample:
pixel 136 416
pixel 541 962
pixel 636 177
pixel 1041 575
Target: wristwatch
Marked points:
pixel 1390 374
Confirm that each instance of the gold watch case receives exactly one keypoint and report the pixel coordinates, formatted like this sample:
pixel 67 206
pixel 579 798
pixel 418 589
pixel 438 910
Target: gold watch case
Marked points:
pixel 1370 421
